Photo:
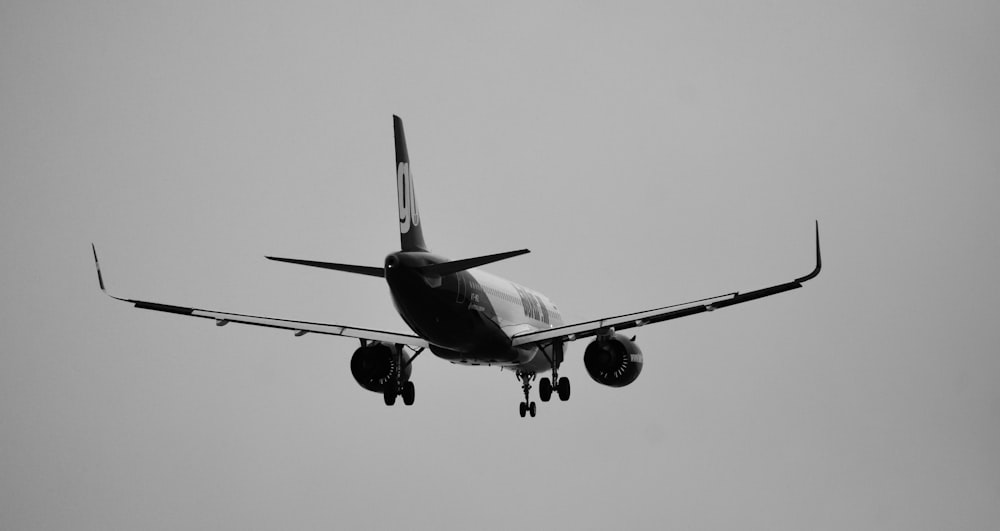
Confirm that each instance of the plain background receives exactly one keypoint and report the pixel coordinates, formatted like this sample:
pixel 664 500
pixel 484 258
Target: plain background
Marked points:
pixel 647 153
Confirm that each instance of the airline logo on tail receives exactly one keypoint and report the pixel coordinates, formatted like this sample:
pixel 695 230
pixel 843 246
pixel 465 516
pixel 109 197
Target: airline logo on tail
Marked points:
pixel 409 215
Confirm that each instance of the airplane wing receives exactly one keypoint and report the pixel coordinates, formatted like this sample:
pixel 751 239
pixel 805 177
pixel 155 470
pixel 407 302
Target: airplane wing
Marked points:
pixel 576 331
pixel 299 327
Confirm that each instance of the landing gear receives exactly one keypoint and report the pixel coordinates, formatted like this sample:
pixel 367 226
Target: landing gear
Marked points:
pixel 390 393
pixel 545 389
pixel 559 385
pixel 563 388
pixel 526 407
pixel 408 393
pixel 394 386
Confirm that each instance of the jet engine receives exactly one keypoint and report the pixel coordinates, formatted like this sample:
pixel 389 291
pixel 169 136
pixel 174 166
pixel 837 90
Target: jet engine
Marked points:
pixel 376 363
pixel 615 361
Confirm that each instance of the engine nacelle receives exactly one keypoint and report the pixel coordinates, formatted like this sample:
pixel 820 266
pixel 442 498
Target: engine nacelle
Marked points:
pixel 615 361
pixel 375 364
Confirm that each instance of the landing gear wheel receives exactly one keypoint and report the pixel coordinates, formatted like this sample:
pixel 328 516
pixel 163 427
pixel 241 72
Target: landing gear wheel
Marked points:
pixel 545 389
pixel 531 409
pixel 408 393
pixel 563 389
pixel 524 409
pixel 389 395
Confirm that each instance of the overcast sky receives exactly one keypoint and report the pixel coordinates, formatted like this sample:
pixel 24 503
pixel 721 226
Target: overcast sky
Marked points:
pixel 646 153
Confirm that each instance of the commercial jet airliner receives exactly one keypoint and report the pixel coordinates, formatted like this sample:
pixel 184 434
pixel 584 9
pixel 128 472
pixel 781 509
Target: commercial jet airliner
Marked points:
pixel 467 316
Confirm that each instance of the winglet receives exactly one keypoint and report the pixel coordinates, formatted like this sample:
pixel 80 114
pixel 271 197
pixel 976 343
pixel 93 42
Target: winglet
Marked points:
pixel 819 260
pixel 100 279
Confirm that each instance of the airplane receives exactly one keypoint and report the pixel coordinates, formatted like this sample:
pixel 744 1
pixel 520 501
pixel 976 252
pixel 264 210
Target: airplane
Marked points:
pixel 467 316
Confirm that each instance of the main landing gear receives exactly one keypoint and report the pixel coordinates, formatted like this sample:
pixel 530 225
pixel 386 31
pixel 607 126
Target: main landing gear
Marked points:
pixel 406 390
pixel 561 388
pixel 557 384
pixel 394 385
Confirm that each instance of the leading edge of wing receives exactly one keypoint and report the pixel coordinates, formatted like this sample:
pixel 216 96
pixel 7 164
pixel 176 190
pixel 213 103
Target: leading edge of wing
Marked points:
pixel 631 320
pixel 299 327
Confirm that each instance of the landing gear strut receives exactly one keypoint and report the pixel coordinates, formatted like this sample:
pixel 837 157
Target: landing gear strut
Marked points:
pixel 527 407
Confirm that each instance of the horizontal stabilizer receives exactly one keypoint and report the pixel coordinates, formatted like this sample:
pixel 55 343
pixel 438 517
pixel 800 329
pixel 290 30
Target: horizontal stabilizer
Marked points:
pixel 361 270
pixel 455 266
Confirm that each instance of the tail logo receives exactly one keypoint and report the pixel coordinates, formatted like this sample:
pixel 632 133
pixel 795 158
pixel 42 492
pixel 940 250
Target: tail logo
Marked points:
pixel 409 215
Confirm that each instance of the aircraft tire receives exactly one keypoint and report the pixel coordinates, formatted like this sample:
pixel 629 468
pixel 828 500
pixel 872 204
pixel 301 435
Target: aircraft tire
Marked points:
pixel 545 390
pixel 563 388
pixel 531 409
pixel 409 393
pixel 389 396
pixel 524 409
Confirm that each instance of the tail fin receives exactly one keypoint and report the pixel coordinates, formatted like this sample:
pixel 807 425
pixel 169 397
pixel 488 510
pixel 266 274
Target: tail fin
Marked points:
pixel 411 236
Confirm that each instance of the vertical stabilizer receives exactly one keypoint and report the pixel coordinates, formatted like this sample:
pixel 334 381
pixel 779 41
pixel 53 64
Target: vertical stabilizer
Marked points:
pixel 411 236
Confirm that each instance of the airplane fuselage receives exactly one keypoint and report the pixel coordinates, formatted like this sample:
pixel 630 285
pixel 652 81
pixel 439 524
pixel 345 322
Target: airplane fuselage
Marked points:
pixel 470 316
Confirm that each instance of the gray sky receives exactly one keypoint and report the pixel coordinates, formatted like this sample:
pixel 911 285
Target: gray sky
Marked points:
pixel 648 153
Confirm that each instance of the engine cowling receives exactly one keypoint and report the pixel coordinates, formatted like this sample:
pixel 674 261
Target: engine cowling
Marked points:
pixel 615 361
pixel 375 364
